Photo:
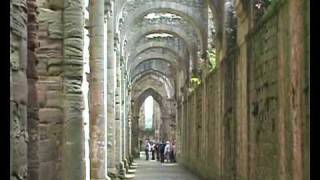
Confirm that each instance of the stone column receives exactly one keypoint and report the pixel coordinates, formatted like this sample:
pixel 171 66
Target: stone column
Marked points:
pixel 123 111
pixel 33 108
pixel 73 167
pixel 118 122
pixel 130 132
pixel 135 149
pixel 297 73
pixel 97 91
pixel 242 89
pixel 127 122
pixel 283 56
pixel 18 90
pixel 111 79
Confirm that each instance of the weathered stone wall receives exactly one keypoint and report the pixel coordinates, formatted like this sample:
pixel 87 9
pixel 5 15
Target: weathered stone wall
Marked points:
pixel 73 130
pixel 265 105
pixel 59 89
pixel 142 117
pixel 249 119
pixel 33 108
pixel 250 126
pixel 46 69
pixel 50 88
pixel 18 90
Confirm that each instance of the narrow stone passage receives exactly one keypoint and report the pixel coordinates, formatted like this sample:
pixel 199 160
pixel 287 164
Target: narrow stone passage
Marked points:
pixel 154 170
pixel 220 86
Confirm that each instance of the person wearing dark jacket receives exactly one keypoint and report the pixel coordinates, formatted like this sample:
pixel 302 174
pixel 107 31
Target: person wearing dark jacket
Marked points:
pixel 161 147
pixel 157 150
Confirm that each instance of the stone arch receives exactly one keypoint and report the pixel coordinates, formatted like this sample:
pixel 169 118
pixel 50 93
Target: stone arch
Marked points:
pixel 157 44
pixel 176 69
pixel 153 59
pixel 172 30
pixel 160 65
pixel 159 94
pixel 170 7
pixel 153 72
pixel 140 98
pixel 148 54
pixel 217 11
pixel 155 79
pixel 230 23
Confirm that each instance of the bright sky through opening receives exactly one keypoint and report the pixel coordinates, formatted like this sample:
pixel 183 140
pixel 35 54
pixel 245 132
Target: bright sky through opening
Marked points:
pixel 148 112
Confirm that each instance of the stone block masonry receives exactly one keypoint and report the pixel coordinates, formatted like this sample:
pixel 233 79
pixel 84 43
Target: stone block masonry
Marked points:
pixel 252 81
pixel 51 114
pixel 19 136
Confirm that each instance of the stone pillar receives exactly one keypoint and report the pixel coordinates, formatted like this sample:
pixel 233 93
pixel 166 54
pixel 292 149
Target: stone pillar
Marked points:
pixel 283 97
pixel 97 91
pixel 123 112
pixel 33 108
pixel 18 90
pixel 156 120
pixel 130 132
pixel 127 121
pixel 50 87
pixel 242 89
pixel 118 122
pixel 165 128
pixel 73 134
pixel 111 79
pixel 85 91
pixel 122 109
pixel 297 73
pixel 135 136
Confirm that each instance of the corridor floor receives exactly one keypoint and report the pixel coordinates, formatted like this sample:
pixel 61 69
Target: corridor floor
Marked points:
pixel 154 170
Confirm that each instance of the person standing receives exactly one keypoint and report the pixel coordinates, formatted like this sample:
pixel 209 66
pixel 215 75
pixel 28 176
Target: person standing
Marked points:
pixel 147 149
pixel 161 148
pixel 167 151
pixel 157 150
pixel 152 150
pixel 173 152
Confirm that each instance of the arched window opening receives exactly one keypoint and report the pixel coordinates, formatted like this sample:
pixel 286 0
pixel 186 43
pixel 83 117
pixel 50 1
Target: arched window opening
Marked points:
pixel 159 35
pixel 148 112
pixel 161 18
pixel 153 16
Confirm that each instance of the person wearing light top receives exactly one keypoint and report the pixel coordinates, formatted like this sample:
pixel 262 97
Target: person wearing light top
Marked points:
pixel 167 151
pixel 147 149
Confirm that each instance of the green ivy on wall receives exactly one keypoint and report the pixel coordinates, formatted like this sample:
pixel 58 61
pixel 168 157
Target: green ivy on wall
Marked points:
pixel 195 81
pixel 212 59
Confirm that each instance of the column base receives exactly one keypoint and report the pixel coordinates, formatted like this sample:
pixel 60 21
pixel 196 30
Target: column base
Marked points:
pixel 113 174
pixel 122 170
pixel 130 160
pixel 126 165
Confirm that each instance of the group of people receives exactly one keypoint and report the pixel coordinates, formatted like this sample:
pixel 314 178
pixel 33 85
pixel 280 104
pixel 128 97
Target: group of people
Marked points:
pixel 164 152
